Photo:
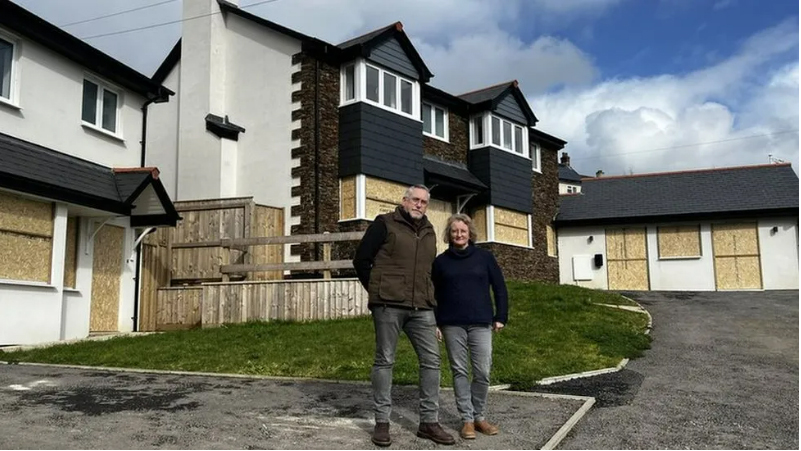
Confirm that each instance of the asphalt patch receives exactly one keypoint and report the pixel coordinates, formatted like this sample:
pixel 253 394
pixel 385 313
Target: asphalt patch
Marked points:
pixel 609 390
pixel 95 401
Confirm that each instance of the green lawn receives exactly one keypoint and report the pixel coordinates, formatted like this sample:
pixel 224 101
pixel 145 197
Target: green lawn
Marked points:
pixel 552 330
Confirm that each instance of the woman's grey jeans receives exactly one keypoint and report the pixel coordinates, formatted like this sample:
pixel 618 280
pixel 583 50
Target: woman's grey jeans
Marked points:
pixel 471 398
pixel 421 327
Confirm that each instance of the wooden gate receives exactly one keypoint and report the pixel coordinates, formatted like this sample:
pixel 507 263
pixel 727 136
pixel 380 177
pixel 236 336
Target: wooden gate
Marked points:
pixel 627 259
pixel 736 250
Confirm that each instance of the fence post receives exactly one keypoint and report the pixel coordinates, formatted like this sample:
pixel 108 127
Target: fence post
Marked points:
pixel 226 257
pixel 327 257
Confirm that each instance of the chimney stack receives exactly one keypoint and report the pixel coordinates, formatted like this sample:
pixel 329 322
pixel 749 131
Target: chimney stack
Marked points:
pixel 565 159
pixel 599 173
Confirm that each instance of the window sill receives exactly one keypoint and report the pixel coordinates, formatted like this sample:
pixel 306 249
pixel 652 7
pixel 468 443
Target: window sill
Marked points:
pixel 104 132
pixel 383 107
pixel 505 244
pixel 438 138
pixel 697 257
pixel 343 221
pixel 503 149
pixel 9 104
pixel 27 283
pixel 71 290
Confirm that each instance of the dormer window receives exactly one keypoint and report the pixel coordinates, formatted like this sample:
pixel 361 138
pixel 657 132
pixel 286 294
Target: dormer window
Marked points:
pixel 503 134
pixel 364 82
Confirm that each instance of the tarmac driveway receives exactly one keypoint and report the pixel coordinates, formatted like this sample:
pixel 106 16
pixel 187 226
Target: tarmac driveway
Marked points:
pixel 722 374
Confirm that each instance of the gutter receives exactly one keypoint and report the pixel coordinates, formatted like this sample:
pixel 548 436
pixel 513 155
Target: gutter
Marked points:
pixel 316 153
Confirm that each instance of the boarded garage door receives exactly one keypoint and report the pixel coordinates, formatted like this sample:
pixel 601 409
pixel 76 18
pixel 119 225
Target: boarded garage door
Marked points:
pixel 736 249
pixel 106 272
pixel 438 213
pixel 627 259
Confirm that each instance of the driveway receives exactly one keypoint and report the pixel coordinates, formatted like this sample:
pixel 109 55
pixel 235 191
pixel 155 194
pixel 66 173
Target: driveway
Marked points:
pixel 722 374
pixel 47 407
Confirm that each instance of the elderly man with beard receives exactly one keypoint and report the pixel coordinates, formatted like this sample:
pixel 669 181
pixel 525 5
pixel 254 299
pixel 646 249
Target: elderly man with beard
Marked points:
pixel 393 262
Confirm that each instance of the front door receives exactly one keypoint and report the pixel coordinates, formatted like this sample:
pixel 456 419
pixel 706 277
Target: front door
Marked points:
pixel 106 271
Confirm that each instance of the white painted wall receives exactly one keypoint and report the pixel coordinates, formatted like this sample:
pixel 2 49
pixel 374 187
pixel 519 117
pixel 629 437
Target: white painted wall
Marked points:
pixel 575 241
pixel 33 313
pixel 779 252
pixel 684 274
pixel 162 134
pixel 50 89
pixel 778 255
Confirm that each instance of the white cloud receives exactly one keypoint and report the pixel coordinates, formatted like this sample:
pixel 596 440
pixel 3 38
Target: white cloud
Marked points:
pixel 616 125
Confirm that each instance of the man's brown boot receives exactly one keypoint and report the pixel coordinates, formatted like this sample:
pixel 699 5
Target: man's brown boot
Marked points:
pixel 468 431
pixel 435 433
pixel 381 434
pixel 485 427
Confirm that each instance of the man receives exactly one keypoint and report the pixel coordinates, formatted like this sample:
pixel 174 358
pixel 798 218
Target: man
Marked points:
pixel 393 262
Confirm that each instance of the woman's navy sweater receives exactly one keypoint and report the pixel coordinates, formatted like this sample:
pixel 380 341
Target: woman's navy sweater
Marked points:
pixel 462 281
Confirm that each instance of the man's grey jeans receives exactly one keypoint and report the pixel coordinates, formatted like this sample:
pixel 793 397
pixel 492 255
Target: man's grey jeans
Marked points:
pixel 471 398
pixel 420 326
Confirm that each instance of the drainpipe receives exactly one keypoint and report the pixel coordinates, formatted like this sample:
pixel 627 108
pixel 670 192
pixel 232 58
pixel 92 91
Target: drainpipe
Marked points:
pixel 138 248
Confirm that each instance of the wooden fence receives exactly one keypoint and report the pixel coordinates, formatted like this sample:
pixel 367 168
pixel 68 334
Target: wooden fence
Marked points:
pixel 170 256
pixel 214 303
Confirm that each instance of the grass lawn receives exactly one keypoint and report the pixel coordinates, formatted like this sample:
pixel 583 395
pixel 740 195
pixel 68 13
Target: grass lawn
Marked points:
pixel 552 330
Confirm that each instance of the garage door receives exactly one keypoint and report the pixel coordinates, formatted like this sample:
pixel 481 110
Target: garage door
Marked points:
pixel 736 249
pixel 627 259
pixel 438 213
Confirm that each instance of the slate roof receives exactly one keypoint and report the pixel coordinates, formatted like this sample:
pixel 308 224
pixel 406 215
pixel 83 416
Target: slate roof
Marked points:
pixel 38 170
pixel 568 174
pixel 710 193
pixel 453 172
pixel 19 20
pixel 367 36
pixel 485 94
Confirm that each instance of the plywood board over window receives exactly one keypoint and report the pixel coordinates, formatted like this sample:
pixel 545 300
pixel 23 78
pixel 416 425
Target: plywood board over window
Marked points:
pixel 71 255
pixel 511 227
pixel 26 238
pixel 679 241
pixel 438 213
pixel 550 235
pixel 480 221
pixel 347 198
pixel 382 196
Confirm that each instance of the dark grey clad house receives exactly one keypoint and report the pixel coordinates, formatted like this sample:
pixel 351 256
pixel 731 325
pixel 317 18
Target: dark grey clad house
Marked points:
pixel 367 123
pixel 712 229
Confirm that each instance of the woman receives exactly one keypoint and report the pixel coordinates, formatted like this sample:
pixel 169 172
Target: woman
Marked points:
pixel 462 278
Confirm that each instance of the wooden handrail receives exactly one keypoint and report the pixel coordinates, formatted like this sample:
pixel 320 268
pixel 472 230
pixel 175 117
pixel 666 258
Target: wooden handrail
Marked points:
pixel 294 266
pixel 257 241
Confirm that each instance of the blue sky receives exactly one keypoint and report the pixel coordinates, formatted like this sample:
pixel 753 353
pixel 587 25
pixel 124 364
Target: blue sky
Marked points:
pixel 634 86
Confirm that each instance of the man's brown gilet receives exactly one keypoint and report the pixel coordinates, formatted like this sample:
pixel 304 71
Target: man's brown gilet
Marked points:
pixel 401 274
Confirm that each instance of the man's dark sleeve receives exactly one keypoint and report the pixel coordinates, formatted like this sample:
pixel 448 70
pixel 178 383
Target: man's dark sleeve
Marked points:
pixel 368 248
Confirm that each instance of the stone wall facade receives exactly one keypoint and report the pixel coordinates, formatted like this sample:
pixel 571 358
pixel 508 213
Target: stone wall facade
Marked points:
pixel 319 169
pixel 455 150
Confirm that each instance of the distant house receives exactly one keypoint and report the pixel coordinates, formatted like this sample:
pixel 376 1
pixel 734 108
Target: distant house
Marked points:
pixel 569 179
pixel 334 134
pixel 73 195
pixel 714 229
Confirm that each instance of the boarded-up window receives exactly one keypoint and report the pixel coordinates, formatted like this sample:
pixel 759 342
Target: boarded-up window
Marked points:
pixel 511 227
pixel 26 238
pixel 679 241
pixel 480 222
pixel 382 196
pixel 71 255
pixel 347 198
pixel 550 234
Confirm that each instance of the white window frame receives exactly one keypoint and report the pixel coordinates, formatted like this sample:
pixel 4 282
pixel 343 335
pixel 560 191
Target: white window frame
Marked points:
pixel 13 88
pixel 490 228
pixel 487 138
pixel 98 124
pixel 360 94
pixel 536 157
pixel 445 128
